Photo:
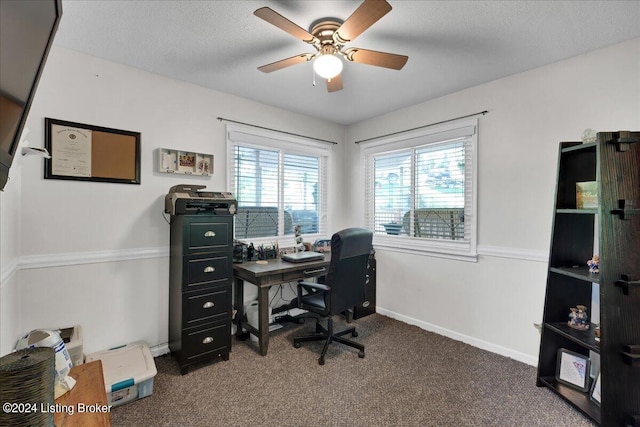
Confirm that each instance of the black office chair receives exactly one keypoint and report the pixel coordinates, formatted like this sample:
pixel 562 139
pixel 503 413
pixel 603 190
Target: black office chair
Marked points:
pixel 344 287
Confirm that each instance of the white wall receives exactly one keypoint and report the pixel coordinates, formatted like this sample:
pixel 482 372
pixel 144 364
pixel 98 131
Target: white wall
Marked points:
pixel 10 208
pixel 97 253
pixel 493 303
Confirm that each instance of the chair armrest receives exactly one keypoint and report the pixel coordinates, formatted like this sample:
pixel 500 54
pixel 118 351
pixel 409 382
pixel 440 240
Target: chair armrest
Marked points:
pixel 309 286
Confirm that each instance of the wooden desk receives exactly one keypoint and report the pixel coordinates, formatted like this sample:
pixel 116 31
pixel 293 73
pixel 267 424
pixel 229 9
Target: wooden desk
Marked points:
pixel 275 272
pixel 88 391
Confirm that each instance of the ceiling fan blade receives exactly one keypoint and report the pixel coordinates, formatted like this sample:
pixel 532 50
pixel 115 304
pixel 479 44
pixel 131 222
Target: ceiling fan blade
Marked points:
pixel 362 18
pixel 372 57
pixel 334 84
pixel 284 24
pixel 278 65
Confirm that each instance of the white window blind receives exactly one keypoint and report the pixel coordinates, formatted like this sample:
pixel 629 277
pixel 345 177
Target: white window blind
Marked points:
pixel 420 189
pixel 279 181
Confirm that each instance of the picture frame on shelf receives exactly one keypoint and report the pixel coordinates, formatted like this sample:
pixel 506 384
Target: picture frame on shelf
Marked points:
pixel 572 369
pixel 595 390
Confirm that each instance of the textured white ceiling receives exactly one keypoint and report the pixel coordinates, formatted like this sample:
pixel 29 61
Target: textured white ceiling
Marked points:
pixel 452 45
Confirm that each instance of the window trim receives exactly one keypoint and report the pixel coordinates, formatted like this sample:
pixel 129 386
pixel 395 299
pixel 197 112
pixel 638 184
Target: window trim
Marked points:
pixel 468 128
pixel 291 144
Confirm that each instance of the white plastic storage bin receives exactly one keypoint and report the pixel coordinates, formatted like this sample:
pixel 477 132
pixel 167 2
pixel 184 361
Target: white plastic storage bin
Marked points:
pixel 128 372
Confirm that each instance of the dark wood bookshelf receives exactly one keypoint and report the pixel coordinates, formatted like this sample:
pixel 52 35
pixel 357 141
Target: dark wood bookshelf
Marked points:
pixel 613 162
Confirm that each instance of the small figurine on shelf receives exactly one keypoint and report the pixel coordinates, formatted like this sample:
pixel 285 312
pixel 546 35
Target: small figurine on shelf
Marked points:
pixel 594 264
pixel 578 318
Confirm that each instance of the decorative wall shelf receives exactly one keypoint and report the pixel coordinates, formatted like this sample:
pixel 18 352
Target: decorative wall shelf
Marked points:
pixel 184 162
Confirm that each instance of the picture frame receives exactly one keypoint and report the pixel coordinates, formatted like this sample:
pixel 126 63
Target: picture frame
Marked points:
pixel 595 390
pixel 86 152
pixel 572 369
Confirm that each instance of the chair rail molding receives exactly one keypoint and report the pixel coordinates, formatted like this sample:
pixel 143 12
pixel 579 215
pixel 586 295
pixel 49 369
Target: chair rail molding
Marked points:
pixel 513 253
pixel 78 258
pixel 7 272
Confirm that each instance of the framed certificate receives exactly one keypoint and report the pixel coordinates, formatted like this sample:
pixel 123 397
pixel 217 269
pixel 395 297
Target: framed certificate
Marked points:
pixel 573 369
pixel 91 153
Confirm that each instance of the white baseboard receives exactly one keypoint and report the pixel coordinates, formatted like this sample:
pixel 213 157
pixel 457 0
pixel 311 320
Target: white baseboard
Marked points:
pixel 160 349
pixel 484 345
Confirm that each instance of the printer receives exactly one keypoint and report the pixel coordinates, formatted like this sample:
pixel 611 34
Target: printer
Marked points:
pixel 193 199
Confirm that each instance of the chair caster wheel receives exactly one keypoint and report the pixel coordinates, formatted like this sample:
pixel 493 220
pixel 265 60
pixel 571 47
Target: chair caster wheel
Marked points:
pixel 354 334
pixel 321 361
pixel 296 344
pixel 361 354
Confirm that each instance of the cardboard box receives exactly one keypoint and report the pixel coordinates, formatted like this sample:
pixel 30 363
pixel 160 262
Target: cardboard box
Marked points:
pixel 128 372
pixel 586 195
pixel 72 338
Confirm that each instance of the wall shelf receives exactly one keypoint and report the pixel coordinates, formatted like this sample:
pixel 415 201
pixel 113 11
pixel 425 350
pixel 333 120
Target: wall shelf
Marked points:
pixel 184 162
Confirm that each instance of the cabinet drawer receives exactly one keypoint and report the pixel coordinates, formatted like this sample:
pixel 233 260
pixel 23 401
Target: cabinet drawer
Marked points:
pixel 206 306
pixel 305 274
pixel 210 339
pixel 208 270
pixel 209 235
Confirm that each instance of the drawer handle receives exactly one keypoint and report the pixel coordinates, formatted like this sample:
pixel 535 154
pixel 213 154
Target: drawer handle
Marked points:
pixel 207 340
pixel 209 269
pixel 208 304
pixel 210 234
pixel 317 270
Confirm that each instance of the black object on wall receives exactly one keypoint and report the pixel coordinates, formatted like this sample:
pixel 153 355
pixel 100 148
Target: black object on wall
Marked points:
pixel 27 29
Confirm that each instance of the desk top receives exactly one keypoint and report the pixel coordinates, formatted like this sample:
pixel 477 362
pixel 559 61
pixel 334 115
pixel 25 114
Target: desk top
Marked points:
pixel 89 391
pixel 253 269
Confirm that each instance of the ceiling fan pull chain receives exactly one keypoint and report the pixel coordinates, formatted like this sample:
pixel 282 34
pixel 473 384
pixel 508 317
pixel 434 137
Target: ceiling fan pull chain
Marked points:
pixel 314 76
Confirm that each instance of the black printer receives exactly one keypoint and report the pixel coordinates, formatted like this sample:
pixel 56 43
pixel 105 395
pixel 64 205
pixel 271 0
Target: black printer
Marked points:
pixel 192 199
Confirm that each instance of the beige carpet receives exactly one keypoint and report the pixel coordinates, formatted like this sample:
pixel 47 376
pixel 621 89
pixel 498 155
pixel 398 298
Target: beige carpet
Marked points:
pixel 409 377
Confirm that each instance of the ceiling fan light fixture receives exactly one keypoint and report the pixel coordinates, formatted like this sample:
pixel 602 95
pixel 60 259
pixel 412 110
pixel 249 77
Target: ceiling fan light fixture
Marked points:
pixel 327 65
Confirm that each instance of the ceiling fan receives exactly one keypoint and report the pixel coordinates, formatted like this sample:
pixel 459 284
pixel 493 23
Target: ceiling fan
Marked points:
pixel 329 36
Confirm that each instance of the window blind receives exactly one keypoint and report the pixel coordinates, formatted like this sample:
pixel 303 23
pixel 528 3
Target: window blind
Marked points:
pixel 421 187
pixel 278 185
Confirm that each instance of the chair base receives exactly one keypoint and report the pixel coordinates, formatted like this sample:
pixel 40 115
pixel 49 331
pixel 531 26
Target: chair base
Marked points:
pixel 328 336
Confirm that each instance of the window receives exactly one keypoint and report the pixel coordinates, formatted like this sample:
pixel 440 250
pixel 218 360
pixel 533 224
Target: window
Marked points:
pixel 279 180
pixel 420 190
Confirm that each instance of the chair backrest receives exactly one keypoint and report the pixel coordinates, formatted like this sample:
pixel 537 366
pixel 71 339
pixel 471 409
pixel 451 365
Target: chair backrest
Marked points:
pixel 347 276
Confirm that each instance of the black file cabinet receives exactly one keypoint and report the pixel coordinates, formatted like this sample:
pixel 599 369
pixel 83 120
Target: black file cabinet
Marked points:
pixel 200 278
